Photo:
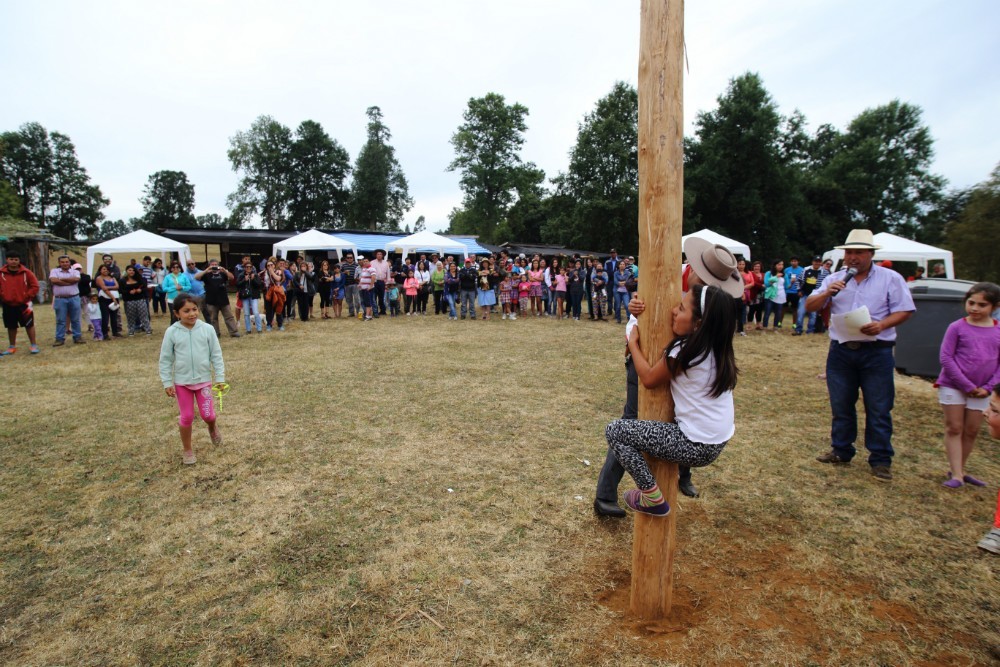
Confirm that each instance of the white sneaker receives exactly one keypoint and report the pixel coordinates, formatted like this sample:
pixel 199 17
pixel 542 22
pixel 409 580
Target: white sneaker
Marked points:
pixel 991 541
pixel 504 316
pixel 513 316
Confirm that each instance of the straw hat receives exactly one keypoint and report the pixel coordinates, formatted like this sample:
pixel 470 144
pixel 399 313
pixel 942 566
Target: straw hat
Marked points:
pixel 715 265
pixel 859 239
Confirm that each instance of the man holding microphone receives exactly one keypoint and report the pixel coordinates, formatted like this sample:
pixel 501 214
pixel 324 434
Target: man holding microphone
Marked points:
pixel 867 365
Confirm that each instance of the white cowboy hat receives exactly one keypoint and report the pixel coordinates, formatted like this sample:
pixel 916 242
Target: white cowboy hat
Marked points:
pixel 859 239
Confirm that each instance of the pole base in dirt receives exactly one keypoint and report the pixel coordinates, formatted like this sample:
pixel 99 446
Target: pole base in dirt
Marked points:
pixel 653 550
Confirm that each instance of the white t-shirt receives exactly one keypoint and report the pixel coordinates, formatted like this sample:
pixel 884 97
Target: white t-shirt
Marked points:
pixel 700 417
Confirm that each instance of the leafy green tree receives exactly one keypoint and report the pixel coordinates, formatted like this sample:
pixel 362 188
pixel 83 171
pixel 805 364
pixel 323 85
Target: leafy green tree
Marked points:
pixel 27 164
pixel 380 194
pixel 740 171
pixel 11 206
pixel 487 147
pixel 76 202
pixel 420 225
pixel 971 237
pixel 111 229
pixel 881 168
pixel 54 188
pixel 320 165
pixel 603 176
pixel 168 201
pixel 263 155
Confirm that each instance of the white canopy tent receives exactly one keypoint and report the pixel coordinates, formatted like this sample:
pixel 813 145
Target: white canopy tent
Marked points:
pixel 734 247
pixel 139 241
pixel 428 241
pixel 313 239
pixel 896 248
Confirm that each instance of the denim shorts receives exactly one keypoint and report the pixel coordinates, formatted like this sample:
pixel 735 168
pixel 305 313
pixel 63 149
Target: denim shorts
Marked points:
pixel 949 396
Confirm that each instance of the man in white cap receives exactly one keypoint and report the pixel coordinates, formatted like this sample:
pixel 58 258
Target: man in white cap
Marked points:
pixel 708 264
pixel 861 358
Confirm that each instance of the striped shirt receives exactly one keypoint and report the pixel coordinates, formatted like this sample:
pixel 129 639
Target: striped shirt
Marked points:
pixel 366 278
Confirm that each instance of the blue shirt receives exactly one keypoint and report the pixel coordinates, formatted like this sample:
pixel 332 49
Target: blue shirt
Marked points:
pixel 197 287
pixel 793 287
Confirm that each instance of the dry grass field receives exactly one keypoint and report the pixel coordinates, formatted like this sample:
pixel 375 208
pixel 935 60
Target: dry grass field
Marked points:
pixel 414 492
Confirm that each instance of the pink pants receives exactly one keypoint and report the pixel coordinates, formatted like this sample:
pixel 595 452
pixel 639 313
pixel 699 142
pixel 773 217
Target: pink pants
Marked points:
pixel 187 398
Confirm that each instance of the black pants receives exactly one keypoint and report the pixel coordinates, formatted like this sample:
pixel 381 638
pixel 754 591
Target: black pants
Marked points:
pixel 576 302
pixel 422 297
pixel 612 472
pixel 269 314
pixel 379 307
pixel 440 307
pixel 305 300
pixel 110 316
pixel 159 302
pixel 411 303
pixel 590 301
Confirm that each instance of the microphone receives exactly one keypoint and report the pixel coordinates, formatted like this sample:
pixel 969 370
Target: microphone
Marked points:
pixel 851 272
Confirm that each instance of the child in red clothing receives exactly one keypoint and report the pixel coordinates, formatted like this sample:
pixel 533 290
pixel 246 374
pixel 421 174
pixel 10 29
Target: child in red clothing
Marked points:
pixel 524 293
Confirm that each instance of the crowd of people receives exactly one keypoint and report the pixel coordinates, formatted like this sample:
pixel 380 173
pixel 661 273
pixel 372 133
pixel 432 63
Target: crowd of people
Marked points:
pixel 722 297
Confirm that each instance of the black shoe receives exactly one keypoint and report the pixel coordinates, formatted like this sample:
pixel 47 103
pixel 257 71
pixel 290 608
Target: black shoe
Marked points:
pixel 687 488
pixel 603 508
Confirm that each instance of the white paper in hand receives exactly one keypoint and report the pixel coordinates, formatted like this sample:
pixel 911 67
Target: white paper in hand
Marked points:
pixel 847 326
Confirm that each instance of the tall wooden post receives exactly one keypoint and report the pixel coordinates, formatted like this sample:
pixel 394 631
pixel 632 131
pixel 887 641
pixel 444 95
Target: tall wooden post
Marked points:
pixel 661 198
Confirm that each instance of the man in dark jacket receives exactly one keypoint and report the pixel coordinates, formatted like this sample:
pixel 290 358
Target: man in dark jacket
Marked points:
pixel 18 287
pixel 216 279
pixel 467 279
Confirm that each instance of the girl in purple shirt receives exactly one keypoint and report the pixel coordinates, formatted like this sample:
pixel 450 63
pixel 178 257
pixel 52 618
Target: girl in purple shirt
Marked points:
pixel 970 368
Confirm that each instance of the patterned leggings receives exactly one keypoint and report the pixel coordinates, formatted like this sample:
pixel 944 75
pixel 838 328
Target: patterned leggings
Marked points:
pixel 664 440
pixel 137 315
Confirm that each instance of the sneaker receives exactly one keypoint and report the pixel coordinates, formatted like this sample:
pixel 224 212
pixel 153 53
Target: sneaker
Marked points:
pixel 34 349
pixel 743 333
pixel 882 473
pixel 10 350
pixel 991 541
pixel 216 435
pixel 831 457
pixel 969 479
pixel 633 497
pixel 281 328
pixel 269 327
pixel 58 343
pixel 504 316
pixel 190 459
pixel 79 341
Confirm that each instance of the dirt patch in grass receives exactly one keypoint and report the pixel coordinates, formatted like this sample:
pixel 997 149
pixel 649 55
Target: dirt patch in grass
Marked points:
pixel 416 491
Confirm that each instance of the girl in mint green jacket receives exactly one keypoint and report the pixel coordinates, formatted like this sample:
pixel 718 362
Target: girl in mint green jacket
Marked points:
pixel 188 356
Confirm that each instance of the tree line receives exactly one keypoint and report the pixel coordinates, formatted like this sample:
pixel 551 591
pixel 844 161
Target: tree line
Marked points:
pixel 750 173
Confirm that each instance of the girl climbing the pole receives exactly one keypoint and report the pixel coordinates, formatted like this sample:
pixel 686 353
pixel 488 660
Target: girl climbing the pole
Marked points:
pixel 189 355
pixel 700 366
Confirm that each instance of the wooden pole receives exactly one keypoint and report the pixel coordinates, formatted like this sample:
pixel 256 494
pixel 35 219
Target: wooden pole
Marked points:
pixel 661 198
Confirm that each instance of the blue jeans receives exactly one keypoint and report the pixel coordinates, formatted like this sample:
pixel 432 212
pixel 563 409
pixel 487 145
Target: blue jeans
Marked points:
pixel 777 308
pixel 450 298
pixel 869 369
pixel 251 314
pixel 68 306
pixel 800 318
pixel 621 299
pixel 469 299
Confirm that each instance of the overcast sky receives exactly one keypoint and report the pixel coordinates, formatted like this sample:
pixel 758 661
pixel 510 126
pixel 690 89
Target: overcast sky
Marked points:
pixel 142 86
